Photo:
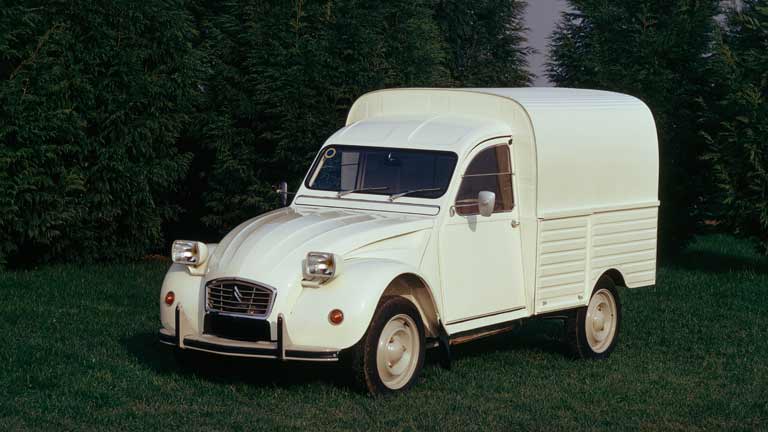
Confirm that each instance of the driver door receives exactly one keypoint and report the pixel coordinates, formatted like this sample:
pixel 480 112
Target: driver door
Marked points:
pixel 481 263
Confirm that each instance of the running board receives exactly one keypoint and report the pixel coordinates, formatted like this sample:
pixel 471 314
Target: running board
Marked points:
pixel 483 332
pixel 444 341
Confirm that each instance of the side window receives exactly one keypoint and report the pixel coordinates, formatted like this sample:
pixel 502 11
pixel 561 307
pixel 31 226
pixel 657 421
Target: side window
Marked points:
pixel 490 170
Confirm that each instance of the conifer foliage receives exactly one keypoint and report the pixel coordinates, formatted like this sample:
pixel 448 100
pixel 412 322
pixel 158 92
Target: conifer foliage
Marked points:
pixel 126 123
pixel 739 147
pixel 284 75
pixel 486 42
pixel 93 98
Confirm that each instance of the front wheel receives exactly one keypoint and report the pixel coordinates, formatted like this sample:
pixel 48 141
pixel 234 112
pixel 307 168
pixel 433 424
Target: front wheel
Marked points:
pixel 391 354
pixel 593 330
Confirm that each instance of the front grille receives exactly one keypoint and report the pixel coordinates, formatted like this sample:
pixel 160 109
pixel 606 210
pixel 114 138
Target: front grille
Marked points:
pixel 239 297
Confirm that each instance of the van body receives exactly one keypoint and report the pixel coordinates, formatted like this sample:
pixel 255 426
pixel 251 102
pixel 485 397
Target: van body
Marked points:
pixel 434 217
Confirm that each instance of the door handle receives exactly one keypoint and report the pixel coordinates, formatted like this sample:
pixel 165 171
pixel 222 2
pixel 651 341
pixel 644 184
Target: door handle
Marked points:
pixel 515 223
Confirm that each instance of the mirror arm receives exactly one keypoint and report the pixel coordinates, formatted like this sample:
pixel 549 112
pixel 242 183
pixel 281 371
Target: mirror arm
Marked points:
pixel 282 190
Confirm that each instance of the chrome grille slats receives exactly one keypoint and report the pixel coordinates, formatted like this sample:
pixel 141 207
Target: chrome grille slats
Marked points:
pixel 238 297
pixel 234 303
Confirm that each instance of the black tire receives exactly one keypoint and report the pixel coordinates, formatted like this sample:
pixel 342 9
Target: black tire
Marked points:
pixel 362 358
pixel 577 325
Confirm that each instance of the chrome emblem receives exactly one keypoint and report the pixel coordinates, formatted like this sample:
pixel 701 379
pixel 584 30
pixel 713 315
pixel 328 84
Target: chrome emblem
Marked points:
pixel 238 295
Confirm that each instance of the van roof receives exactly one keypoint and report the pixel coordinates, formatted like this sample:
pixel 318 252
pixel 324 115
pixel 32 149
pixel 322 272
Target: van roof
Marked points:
pixel 453 119
pixel 534 98
pixel 443 132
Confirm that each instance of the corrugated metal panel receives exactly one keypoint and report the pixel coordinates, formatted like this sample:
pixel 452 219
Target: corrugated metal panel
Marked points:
pixel 574 252
pixel 562 263
pixel 626 241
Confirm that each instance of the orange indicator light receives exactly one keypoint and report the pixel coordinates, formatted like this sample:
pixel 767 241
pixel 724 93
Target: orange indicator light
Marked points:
pixel 336 317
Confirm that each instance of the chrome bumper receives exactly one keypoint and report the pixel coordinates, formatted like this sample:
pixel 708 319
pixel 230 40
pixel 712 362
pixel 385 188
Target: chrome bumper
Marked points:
pixel 269 350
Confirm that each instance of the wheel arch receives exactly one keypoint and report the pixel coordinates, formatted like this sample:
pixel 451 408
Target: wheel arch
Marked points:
pixel 357 292
pixel 417 290
pixel 615 275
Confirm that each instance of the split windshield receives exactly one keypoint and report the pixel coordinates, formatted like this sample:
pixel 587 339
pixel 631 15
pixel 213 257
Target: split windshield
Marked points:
pixel 382 171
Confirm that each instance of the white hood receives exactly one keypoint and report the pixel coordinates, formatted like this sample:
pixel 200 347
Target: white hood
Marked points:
pixel 270 248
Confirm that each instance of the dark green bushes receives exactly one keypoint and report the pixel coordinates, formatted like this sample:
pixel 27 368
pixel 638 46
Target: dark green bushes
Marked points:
pixel 284 75
pixel 93 99
pixel 486 42
pixel 126 123
pixel 738 151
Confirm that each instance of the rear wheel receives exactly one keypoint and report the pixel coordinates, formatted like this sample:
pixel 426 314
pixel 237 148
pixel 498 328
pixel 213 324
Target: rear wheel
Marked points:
pixel 391 354
pixel 593 330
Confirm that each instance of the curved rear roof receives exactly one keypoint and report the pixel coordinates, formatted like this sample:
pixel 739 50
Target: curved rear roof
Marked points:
pixel 533 98
pixel 458 106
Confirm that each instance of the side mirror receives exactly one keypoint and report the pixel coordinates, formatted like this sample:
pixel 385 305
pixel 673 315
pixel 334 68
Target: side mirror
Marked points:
pixel 282 190
pixel 486 201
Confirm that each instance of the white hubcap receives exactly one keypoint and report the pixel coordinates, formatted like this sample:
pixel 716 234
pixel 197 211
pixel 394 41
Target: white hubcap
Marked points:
pixel 601 321
pixel 397 353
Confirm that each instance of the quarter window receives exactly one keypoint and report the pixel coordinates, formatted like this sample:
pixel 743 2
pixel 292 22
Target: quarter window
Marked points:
pixel 490 170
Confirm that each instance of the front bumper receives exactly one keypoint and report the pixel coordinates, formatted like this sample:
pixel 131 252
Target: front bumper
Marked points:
pixel 270 350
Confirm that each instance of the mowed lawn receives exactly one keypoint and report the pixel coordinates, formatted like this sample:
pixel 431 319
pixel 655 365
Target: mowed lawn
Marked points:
pixel 79 352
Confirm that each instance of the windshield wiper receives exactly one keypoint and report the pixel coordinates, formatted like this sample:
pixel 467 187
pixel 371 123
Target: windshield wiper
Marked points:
pixel 347 192
pixel 402 194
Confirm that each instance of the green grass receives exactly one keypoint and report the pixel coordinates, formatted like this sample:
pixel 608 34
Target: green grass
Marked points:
pixel 79 352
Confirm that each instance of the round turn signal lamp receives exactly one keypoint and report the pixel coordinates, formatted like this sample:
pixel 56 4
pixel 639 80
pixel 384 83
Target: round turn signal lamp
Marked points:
pixel 336 316
pixel 170 297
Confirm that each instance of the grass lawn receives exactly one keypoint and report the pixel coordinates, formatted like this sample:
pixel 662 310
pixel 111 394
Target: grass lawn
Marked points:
pixel 79 352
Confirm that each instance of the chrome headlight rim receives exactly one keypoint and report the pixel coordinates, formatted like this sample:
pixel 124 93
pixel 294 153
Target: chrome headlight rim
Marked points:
pixel 321 266
pixel 189 252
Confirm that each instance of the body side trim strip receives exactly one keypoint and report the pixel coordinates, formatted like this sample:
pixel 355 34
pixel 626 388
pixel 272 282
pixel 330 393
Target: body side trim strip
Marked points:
pixel 459 321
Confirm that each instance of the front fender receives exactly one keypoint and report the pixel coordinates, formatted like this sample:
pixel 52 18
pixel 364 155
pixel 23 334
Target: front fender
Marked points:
pixel 186 288
pixel 356 291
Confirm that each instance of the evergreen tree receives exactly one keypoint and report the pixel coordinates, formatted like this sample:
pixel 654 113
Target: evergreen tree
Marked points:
pixel 739 148
pixel 284 75
pixel 486 42
pixel 118 117
pixel 93 96
pixel 656 50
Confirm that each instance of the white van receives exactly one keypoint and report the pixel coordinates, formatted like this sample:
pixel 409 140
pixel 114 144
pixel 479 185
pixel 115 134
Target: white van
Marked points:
pixel 435 217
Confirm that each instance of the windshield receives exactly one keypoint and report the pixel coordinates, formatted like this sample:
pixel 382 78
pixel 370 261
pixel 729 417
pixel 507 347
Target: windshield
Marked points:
pixel 382 171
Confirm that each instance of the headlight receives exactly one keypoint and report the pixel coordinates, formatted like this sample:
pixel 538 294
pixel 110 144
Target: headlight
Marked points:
pixel 321 266
pixel 189 252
